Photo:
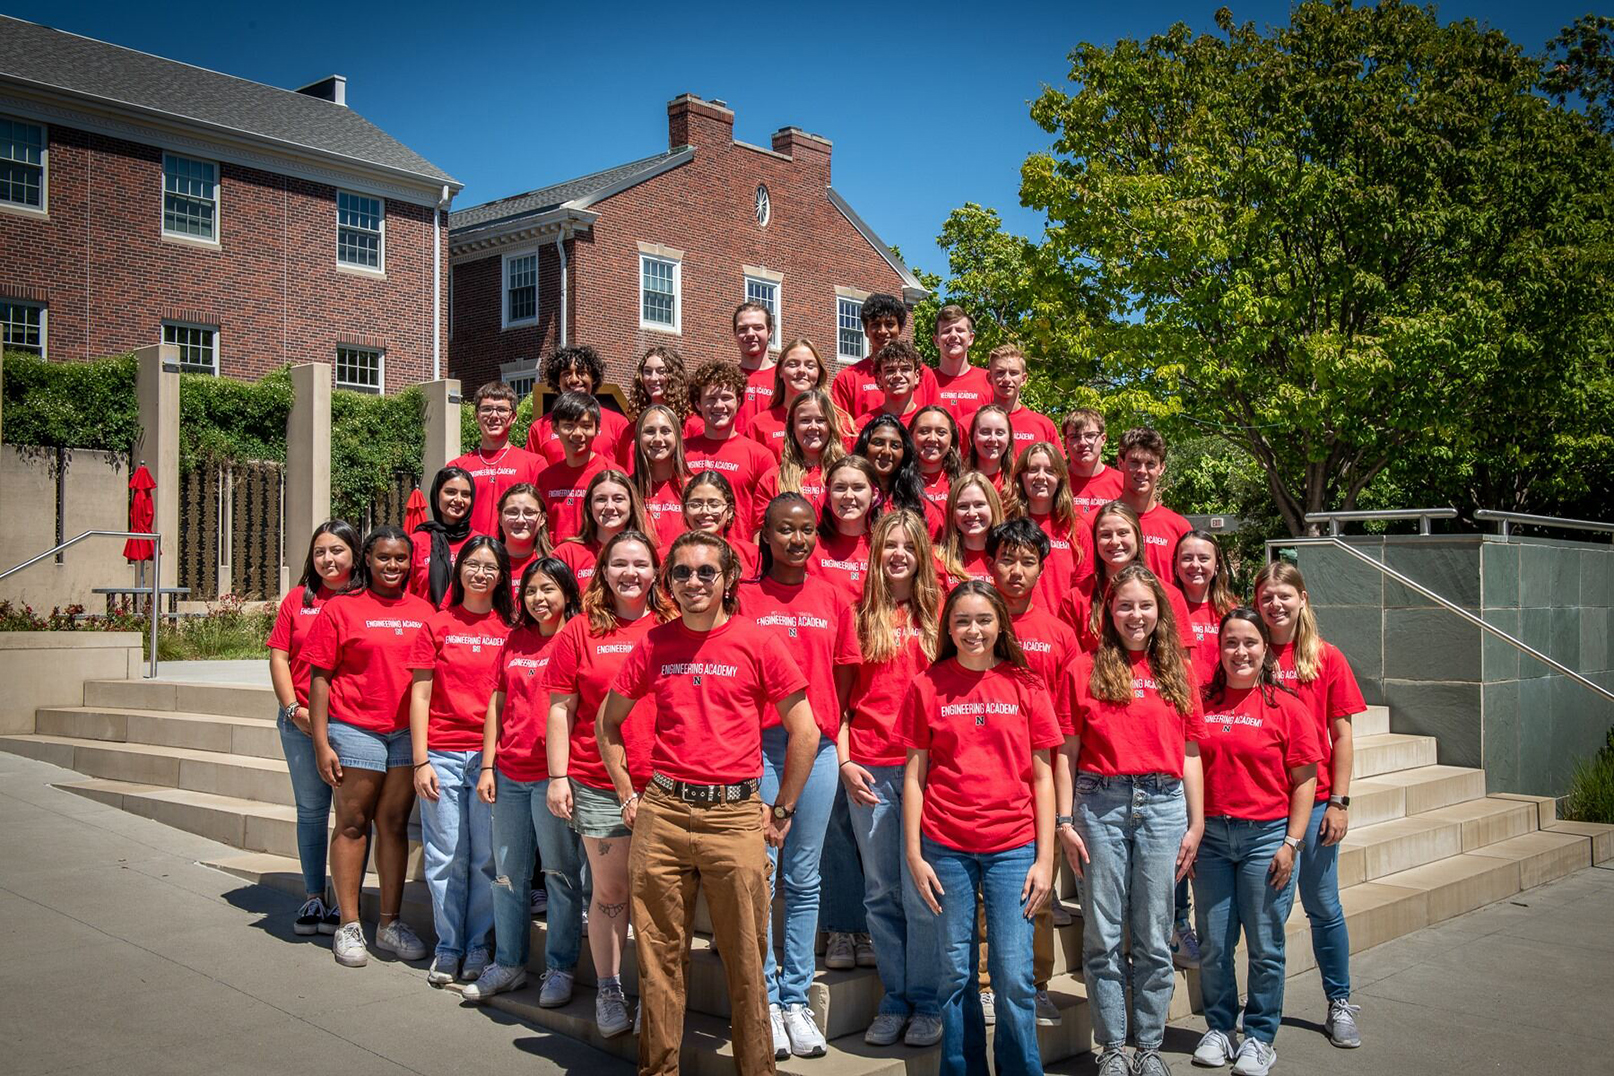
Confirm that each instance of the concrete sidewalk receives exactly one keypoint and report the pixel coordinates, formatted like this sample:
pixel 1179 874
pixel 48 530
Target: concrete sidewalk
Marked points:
pixel 125 956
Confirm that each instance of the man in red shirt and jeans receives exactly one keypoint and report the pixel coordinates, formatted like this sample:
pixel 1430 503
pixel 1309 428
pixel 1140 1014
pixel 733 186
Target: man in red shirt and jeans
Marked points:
pixel 700 825
pixel 1142 457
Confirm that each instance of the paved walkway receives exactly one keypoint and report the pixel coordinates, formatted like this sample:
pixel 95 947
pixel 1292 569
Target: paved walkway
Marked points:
pixel 123 956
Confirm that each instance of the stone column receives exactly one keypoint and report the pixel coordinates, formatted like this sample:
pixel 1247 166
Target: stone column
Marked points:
pixel 308 464
pixel 157 392
pixel 442 421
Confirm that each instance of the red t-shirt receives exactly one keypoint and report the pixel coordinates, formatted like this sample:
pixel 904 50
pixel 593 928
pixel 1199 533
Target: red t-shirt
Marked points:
pixel 739 459
pixel 980 729
pixel 293 622
pixel 562 489
pixel 1050 649
pixel 815 623
pixel 965 394
pixel 524 724
pixel 1249 747
pixel 876 698
pixel 580 557
pixel 710 690
pixel 976 565
pixel 758 391
pixel 1096 491
pixel 584 664
pixel 364 640
pixel 420 566
pixel 767 428
pixel 1032 426
pixel 1059 570
pixel 842 561
pixel 812 487
pixel 494 473
pixel 856 391
pixel 937 488
pixel 665 505
pixel 749 553
pixel 1077 606
pixel 616 432
pixel 462 651
pixel 1145 734
pixel 1161 530
pixel 1205 642
pixel 1333 694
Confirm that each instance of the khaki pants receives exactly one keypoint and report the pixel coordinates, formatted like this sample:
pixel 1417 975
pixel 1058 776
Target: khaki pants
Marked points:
pixel 678 848
pixel 1042 945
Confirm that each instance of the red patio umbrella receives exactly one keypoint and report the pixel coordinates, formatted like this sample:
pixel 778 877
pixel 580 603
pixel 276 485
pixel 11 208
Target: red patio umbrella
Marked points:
pixel 141 515
pixel 414 511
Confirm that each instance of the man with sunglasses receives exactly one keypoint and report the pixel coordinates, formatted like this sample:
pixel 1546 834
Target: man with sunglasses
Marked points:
pixel 700 825
pixel 496 464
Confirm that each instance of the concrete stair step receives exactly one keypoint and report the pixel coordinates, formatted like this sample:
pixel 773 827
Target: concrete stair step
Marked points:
pixel 1415 791
pixel 245 777
pixel 256 736
pixel 228 700
pixel 1600 836
pixel 1493 872
pixel 1374 721
pixel 1370 852
pixel 1389 753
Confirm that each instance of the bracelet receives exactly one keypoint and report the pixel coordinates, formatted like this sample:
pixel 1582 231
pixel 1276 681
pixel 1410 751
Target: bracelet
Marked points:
pixel 418 765
pixel 626 803
pixel 562 777
pixel 1064 820
pixel 848 762
pixel 485 769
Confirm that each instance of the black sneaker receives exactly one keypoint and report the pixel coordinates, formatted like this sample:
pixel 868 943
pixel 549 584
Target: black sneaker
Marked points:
pixel 310 916
pixel 332 920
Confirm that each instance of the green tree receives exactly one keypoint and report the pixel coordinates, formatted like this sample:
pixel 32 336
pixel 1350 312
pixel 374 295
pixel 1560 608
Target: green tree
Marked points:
pixel 1580 65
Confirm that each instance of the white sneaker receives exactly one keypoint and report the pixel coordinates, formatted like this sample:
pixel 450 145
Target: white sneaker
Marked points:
pixel 556 990
pixel 925 1029
pixel 398 939
pixel 611 1011
pixel 805 1038
pixel 476 962
pixel 1047 1012
pixel 781 1037
pixel 443 970
pixel 989 1007
pixel 347 945
pixel 839 952
pixel 863 951
pixel 1255 1058
pixel 495 980
pixel 886 1029
pixel 1215 1049
pixel 1185 947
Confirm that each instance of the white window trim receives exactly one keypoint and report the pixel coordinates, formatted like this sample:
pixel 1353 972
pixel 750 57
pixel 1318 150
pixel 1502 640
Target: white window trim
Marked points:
pixel 664 255
pixel 753 275
pixel 44 323
pixel 218 205
pixel 381 255
pixel 848 295
pixel 505 321
pixel 380 387
pixel 214 329
pixel 510 372
pixel 43 208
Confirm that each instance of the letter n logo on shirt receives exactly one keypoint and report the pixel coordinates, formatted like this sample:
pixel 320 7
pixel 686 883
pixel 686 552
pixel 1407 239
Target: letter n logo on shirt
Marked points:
pixel 697 679
pixel 980 720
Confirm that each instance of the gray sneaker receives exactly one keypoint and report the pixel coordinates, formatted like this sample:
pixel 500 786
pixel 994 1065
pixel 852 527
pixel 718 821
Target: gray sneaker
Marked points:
pixel 1047 1011
pixel 886 1029
pixel 347 945
pixel 611 1011
pixel 925 1029
pixel 495 980
pixel 863 951
pixel 476 962
pixel 1113 1062
pixel 1255 1058
pixel 556 990
pixel 989 1007
pixel 1341 1024
pixel 1148 1063
pixel 443 970
pixel 397 939
pixel 839 952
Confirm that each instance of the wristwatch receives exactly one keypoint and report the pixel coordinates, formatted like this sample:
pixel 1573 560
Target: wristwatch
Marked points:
pixel 781 812
pixel 1064 820
pixel 1294 842
pixel 1342 802
pixel 288 712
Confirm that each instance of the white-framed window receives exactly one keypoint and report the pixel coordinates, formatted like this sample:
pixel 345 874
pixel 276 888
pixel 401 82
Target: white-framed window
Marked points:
pixel 190 198
pixel 360 369
pixel 765 292
pixel 521 375
pixel 660 287
pixel 361 223
pixel 849 340
pixel 520 289
pixel 198 346
pixel 22 327
pixel 24 157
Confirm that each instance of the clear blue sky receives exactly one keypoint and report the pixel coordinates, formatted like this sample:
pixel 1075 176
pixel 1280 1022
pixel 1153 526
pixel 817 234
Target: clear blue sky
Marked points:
pixel 926 104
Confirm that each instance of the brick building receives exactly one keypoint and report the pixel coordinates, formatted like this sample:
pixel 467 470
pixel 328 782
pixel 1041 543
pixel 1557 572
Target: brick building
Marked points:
pixel 145 200
pixel 661 250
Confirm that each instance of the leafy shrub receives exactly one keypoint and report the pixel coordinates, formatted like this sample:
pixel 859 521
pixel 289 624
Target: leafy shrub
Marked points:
pixel 372 438
pixel 226 632
pixel 1591 789
pixel 222 420
pixel 71 404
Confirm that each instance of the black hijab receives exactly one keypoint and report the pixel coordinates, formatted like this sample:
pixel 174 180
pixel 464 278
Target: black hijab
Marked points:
pixel 440 564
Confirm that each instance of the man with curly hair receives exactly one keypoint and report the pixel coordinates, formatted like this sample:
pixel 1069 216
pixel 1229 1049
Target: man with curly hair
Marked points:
pixel 576 369
pixel 716 392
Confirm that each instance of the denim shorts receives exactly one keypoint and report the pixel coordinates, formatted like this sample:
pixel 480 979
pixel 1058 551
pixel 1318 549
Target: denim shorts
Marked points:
pixel 366 750
pixel 597 814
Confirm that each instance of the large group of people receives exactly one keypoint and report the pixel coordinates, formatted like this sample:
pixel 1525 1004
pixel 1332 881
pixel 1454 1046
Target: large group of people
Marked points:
pixel 885 644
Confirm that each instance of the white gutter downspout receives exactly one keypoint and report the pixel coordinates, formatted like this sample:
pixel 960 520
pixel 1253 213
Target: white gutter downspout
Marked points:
pixel 560 249
pixel 437 285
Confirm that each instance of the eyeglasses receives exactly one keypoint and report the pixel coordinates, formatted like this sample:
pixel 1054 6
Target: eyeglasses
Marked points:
pixel 479 570
pixel 521 513
pixel 706 573
pixel 707 506
pixel 495 412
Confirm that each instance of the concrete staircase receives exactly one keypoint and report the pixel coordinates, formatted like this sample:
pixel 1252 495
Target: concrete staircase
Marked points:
pixel 1427 843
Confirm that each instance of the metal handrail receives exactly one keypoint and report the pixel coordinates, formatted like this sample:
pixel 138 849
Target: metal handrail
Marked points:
pixel 1446 603
pixel 155 590
pixel 1336 520
pixel 1507 519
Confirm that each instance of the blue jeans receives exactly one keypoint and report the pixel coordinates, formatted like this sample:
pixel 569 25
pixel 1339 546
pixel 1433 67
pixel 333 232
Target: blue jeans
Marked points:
pixel 902 929
pixel 1230 887
pixel 456 836
pixel 804 845
pixel 1319 895
pixel 313 798
pixel 841 898
pixel 1133 827
pixel 522 828
pixel 1001 876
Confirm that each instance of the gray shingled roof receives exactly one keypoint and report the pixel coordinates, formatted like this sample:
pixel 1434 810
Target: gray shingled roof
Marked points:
pixel 38 54
pixel 545 198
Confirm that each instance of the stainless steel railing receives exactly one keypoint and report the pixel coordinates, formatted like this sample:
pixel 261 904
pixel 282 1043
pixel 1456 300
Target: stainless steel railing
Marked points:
pixel 1336 520
pixel 156 575
pixel 1506 521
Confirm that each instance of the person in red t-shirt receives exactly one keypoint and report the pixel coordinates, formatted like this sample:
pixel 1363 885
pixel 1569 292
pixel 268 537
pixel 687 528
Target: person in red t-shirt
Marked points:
pixel 496 464
pixel 1006 368
pixel 514 769
pixel 611 505
pixel 709 508
pixel 1143 460
pixel 522 530
pixel 799 370
pixel 576 369
pixel 856 389
pixel 812 442
pixel 561 485
pixel 660 471
pixel 990 445
pixel 1138 812
pixel 1042 494
pixel 442 536
pixel 973 509
pixel 700 822
pixel 660 378
pixel 1322 677
pixel 455 661
pixel 814 622
pixel 896 626
pixel 1260 757
pixel 1202 575
pixel 935 437
pixel 754 337
pixel 1117 541
pixel 715 391
pixel 897 369
pixel 1092 484
pixel 961 389
pixel 331 552
pixel 978 815
pixel 620 605
pixel 851 506
pixel 886 443
pixel 358 710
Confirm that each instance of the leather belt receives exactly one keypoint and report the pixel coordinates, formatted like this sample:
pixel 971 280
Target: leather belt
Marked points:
pixel 690 793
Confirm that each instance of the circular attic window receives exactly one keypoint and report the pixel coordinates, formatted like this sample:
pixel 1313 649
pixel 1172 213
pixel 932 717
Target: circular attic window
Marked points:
pixel 764 207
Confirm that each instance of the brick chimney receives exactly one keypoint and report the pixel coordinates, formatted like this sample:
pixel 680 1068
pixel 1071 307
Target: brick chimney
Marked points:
pixel 692 121
pixel 807 150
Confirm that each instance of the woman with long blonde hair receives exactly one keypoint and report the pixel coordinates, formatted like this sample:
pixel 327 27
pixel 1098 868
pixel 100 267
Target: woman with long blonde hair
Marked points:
pixel 814 440
pixel 799 370
pixel 973 509
pixel 660 471
pixel 989 447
